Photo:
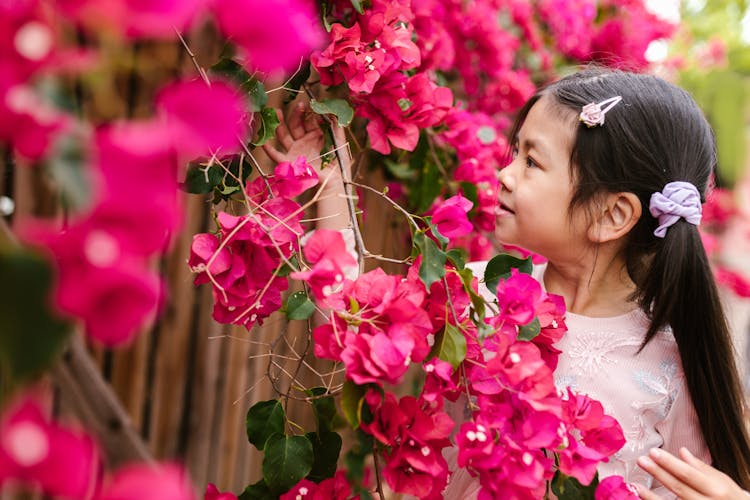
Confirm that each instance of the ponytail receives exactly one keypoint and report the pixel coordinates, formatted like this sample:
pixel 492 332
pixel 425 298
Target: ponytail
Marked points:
pixel 679 291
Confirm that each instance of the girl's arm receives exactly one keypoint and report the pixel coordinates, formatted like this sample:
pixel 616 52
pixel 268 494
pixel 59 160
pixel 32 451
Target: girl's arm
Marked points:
pixel 687 477
pixel 301 135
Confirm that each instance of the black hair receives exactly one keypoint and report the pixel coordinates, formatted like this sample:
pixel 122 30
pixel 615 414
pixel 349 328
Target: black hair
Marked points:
pixel 655 135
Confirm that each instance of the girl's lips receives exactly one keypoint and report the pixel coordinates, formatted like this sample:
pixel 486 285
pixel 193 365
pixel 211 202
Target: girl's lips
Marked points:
pixel 502 209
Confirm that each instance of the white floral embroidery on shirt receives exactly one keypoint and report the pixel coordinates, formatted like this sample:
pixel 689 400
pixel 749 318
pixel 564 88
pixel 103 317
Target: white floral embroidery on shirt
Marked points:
pixel 589 351
pixel 663 387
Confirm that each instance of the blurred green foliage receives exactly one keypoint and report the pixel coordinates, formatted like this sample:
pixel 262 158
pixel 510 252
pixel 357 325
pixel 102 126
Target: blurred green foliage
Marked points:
pixel 715 68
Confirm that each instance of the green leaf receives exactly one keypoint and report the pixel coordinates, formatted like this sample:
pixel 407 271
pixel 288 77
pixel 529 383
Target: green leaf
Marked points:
pixel 201 179
pixel 339 107
pixel 286 460
pixel 450 345
pixel 471 193
pixel 352 398
pixel 324 408
pixel 530 330
pixel 286 268
pixel 429 181
pixel 269 120
pixel 257 491
pixel 356 458
pixel 326 450
pixel 254 88
pixel 31 334
pixel 400 170
pixel 358 6
pixel 432 268
pixel 569 488
pixel 299 306
pixel 477 301
pixel 458 257
pixel 264 419
pixel 499 267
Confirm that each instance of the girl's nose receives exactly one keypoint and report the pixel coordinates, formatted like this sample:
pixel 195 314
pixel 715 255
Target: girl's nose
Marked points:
pixel 505 176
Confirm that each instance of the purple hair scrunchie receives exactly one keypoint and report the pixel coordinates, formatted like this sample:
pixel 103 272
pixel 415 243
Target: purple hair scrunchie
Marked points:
pixel 677 200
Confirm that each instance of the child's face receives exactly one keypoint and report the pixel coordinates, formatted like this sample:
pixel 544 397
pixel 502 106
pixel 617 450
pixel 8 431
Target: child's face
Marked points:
pixel 536 188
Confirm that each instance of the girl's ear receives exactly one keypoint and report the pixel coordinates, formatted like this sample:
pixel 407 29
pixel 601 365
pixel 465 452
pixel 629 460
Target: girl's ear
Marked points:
pixel 616 216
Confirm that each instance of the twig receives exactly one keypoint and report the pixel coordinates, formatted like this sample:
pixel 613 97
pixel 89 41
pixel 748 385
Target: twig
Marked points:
pixel 378 480
pixel 201 71
pixel 395 205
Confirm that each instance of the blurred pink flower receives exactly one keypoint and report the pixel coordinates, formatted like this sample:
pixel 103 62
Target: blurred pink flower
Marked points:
pixel 204 120
pixel 213 493
pixel 29 124
pixel 274 35
pixel 39 453
pixel 134 18
pixel 142 481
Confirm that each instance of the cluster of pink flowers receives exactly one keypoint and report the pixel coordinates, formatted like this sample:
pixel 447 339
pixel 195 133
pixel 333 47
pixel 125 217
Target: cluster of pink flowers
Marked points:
pixel 380 326
pixel 42 455
pixel 517 411
pixel 243 260
pixel 373 57
pixel 414 434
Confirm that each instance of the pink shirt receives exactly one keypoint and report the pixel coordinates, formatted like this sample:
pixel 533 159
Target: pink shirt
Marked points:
pixel 644 391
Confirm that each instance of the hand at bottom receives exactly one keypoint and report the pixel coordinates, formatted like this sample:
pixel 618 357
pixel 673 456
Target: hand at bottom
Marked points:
pixel 687 477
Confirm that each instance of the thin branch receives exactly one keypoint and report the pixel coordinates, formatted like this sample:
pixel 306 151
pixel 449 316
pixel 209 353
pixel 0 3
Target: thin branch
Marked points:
pixel 395 205
pixel 201 71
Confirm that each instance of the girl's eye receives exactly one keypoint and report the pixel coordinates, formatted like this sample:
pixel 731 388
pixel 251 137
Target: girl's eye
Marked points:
pixel 514 152
pixel 531 163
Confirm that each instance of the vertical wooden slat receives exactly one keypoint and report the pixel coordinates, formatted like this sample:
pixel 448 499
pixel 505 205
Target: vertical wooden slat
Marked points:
pixel 169 384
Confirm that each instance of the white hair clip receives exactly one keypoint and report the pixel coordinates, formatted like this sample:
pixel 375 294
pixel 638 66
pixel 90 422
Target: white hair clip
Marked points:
pixel 593 114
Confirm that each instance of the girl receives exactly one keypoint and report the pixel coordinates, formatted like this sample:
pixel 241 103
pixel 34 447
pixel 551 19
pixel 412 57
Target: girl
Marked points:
pixel 608 175
pixel 609 170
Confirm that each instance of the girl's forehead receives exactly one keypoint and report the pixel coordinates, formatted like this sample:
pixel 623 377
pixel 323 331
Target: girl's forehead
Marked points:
pixel 549 122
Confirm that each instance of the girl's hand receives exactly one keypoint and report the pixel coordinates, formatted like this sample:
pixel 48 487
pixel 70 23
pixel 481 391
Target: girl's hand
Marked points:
pixel 301 135
pixel 688 478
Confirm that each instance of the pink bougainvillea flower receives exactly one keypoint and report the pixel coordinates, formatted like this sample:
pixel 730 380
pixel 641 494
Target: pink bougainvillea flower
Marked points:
pixel 204 120
pixel 148 482
pixel 134 18
pixel 416 433
pixel 325 250
pixel 615 488
pixel 450 217
pixel 273 34
pixel 39 453
pixel 291 179
pixel 137 174
pixel 29 124
pixel 112 292
pixel 439 381
pixel 333 488
pixel 733 280
pixel 518 298
pixel 213 493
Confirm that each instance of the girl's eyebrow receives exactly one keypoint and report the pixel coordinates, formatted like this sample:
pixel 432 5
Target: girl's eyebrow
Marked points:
pixel 535 144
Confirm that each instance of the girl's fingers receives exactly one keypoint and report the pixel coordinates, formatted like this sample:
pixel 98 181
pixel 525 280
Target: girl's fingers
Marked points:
pixel 274 153
pixel 671 472
pixel 282 132
pixel 296 119
pixel 695 462
pixel 645 493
